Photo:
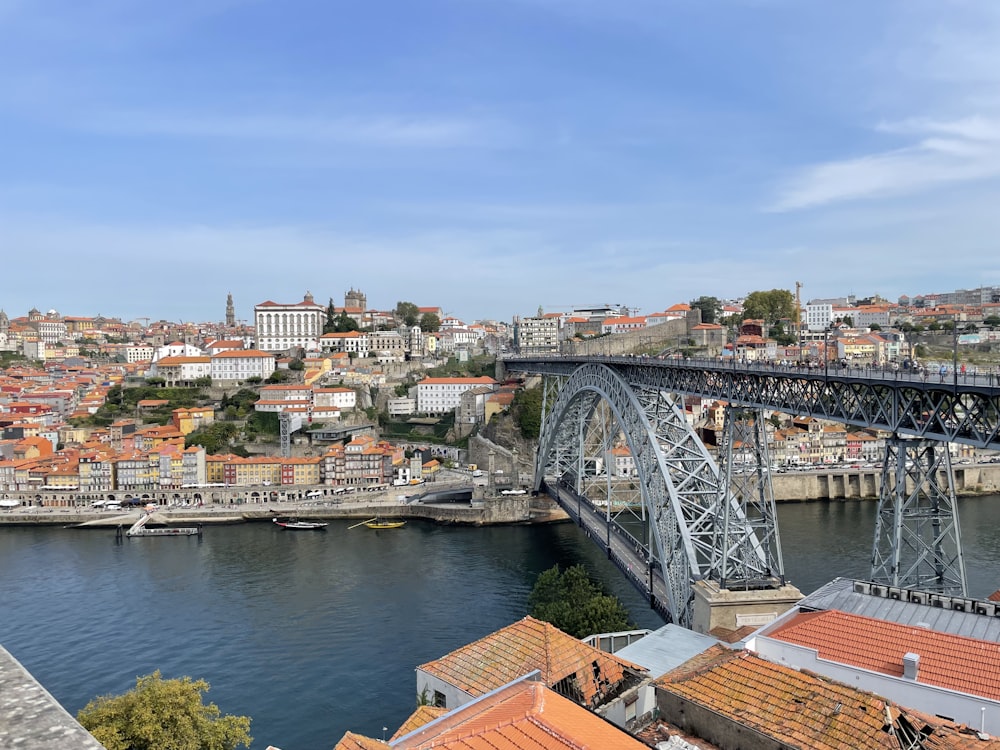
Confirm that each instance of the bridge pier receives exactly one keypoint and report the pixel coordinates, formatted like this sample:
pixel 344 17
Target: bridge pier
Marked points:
pixel 918 542
pixel 729 609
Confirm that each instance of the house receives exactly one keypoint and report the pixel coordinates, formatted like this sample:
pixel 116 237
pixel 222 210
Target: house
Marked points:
pixel 572 668
pixel 519 715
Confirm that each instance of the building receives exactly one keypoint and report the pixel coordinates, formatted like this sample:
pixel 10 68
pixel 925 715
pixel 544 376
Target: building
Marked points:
pixel 933 653
pixel 282 327
pixel 440 395
pixel 538 335
pixel 580 672
pixel 242 364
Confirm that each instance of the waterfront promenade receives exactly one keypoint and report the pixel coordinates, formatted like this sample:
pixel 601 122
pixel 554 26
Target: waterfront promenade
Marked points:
pixel 392 503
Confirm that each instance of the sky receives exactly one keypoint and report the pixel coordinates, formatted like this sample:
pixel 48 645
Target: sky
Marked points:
pixel 491 157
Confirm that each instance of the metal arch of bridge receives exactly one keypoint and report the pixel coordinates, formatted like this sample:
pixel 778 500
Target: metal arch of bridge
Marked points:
pixel 679 482
pixel 961 411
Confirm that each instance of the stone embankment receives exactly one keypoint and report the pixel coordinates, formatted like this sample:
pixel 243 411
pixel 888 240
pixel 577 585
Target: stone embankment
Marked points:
pixel 512 509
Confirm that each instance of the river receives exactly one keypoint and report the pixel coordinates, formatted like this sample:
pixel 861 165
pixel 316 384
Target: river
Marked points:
pixel 316 633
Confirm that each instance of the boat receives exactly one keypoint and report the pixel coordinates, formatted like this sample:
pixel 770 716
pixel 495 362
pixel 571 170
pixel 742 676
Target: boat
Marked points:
pixel 383 523
pixel 139 528
pixel 300 525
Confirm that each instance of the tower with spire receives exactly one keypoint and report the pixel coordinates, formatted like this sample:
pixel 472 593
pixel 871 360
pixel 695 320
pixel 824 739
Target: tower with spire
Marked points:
pixel 230 311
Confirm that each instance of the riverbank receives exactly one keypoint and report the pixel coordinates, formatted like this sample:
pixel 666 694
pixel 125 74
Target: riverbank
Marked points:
pixel 506 510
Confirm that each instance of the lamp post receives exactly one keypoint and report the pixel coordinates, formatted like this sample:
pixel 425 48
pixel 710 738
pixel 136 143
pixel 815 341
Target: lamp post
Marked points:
pixel 954 352
pixel 826 353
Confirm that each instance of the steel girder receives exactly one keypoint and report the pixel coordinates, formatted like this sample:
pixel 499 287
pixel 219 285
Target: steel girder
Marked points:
pixel 748 548
pixel 678 480
pixel 918 542
pixel 955 412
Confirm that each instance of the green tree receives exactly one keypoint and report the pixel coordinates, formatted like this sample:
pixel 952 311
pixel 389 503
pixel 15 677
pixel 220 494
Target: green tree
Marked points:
pixel 346 323
pixel 710 308
pixel 527 410
pixel 993 321
pixel 297 364
pixel 430 322
pixel 330 324
pixel 769 306
pixel 163 714
pixel 407 312
pixel 575 604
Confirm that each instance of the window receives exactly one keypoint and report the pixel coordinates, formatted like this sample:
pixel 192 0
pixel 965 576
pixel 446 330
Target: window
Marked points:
pixel 439 700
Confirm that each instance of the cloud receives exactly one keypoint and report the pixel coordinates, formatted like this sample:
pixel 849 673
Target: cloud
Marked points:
pixel 952 151
pixel 380 130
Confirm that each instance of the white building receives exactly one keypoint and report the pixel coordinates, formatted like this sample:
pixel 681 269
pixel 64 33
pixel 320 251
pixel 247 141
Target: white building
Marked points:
pixel 176 349
pixel 340 398
pixel 139 353
pixel 350 342
pixel 176 370
pixel 242 364
pixel 440 395
pixel 818 315
pixel 281 327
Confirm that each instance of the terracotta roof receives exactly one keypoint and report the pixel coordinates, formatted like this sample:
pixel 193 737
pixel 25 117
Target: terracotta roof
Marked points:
pixel 797 709
pixel 482 379
pixel 522 716
pixel 423 715
pixel 351 741
pixel 527 645
pixel 956 662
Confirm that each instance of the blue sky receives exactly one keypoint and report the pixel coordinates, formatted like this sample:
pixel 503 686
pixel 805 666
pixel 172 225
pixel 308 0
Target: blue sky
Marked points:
pixel 492 156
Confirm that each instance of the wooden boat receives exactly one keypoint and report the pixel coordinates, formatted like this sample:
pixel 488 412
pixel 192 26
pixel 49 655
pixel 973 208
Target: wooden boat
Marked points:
pixel 300 525
pixel 382 523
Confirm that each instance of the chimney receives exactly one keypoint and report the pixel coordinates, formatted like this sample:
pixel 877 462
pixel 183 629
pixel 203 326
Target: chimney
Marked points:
pixel 911 665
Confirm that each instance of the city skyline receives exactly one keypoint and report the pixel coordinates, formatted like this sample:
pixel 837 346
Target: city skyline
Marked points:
pixel 493 157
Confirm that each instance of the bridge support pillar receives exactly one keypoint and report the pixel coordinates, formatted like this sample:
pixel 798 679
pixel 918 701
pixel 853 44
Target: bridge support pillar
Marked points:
pixel 729 609
pixel 918 543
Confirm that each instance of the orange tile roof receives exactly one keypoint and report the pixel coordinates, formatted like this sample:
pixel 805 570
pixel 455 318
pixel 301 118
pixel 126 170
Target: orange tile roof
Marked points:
pixel 523 716
pixel 527 645
pixel 351 741
pixel 967 665
pixel 423 715
pixel 483 379
pixel 797 709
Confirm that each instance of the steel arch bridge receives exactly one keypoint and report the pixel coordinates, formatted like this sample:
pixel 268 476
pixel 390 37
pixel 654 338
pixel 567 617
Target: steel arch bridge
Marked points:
pixel 716 522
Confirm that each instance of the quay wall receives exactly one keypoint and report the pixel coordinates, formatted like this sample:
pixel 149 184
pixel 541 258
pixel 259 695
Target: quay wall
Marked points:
pixel 853 484
pixel 238 504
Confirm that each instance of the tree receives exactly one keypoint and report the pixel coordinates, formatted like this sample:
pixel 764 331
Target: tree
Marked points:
pixel 346 323
pixel 770 307
pixel 710 308
pixel 430 322
pixel 993 321
pixel 297 365
pixel 575 604
pixel 527 408
pixel 407 312
pixel 330 324
pixel 160 713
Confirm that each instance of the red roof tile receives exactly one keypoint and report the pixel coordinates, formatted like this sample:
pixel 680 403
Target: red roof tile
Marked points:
pixel 949 661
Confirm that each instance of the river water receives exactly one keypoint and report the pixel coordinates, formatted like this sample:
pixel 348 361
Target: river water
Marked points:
pixel 316 633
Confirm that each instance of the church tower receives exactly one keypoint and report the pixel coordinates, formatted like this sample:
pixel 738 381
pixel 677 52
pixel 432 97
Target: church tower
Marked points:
pixel 230 311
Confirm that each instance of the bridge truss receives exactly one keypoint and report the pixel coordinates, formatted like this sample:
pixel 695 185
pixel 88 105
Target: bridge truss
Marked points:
pixel 719 524
pixel 694 526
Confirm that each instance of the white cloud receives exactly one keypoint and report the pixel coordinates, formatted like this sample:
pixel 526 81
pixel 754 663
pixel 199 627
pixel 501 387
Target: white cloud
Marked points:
pixel 381 130
pixel 972 152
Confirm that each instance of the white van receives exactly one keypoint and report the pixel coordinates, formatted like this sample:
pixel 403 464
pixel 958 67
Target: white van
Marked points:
pixel 113 506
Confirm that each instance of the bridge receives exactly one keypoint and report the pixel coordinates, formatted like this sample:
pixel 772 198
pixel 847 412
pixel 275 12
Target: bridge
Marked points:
pixel 687 526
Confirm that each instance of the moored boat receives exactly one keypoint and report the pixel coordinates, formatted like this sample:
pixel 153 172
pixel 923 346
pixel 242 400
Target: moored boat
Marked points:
pixel 300 525
pixel 383 523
